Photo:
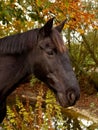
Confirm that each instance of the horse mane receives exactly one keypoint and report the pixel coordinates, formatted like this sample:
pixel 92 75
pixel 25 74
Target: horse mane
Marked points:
pixel 23 42
pixel 18 43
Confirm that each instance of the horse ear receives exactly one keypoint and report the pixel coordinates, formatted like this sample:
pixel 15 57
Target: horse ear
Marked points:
pixel 46 29
pixel 60 27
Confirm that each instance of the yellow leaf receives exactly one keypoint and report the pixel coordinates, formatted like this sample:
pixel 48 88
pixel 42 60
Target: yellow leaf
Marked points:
pixel 81 31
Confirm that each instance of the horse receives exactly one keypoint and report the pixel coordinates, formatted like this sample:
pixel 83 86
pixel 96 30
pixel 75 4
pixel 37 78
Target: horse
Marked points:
pixel 41 52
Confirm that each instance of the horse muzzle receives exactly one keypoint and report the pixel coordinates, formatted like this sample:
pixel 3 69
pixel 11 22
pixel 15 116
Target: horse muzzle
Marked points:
pixel 67 99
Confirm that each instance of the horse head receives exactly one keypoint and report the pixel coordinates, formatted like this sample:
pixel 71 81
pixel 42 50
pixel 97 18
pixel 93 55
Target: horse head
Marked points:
pixel 52 64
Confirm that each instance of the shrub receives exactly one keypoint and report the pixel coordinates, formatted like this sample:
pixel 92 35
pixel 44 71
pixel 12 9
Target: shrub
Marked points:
pixel 45 115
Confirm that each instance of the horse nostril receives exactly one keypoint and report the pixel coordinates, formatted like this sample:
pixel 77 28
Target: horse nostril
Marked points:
pixel 71 98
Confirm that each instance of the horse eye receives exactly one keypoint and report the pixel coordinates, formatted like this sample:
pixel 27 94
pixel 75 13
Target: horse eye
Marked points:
pixel 55 50
pixel 51 52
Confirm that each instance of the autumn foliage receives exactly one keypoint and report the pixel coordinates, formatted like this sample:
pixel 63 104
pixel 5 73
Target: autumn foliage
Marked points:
pixel 17 16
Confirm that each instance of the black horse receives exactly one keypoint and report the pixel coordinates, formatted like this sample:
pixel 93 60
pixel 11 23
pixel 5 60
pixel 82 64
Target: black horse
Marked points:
pixel 40 52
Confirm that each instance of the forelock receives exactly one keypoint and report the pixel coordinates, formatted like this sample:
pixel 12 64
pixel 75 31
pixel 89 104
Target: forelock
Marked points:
pixel 58 41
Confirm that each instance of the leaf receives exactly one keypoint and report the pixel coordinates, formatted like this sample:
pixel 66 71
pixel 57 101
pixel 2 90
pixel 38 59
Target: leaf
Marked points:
pixel 81 31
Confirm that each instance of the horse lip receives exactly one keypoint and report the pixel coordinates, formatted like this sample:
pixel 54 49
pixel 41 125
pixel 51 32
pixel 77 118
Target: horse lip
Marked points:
pixel 65 99
pixel 62 101
pixel 53 82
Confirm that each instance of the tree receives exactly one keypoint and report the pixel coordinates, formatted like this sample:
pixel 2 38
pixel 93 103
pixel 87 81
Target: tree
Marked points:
pixel 21 13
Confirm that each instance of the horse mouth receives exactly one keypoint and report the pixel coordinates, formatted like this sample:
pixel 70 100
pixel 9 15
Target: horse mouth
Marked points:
pixel 66 100
pixel 64 97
